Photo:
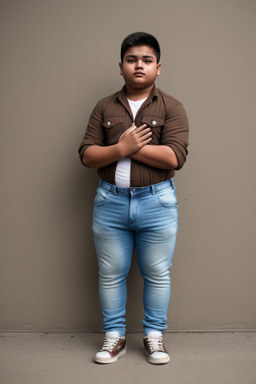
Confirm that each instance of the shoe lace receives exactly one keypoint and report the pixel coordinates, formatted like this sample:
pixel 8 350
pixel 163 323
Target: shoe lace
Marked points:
pixel 156 344
pixel 109 344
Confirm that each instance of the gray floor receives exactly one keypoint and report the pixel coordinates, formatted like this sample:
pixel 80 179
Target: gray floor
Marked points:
pixel 52 358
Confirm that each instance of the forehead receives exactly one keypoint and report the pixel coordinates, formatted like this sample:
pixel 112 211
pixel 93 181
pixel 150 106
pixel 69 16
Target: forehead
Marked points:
pixel 140 51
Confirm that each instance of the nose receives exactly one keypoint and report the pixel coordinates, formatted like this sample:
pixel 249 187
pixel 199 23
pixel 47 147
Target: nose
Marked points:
pixel 139 64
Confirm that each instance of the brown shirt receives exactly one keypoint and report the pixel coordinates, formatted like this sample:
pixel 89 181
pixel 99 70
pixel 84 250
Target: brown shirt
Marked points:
pixel 162 113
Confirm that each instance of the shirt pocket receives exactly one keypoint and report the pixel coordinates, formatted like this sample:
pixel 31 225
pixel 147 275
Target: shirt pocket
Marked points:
pixel 155 124
pixel 113 128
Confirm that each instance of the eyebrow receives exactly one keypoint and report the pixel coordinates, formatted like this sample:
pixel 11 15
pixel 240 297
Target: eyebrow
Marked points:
pixel 144 57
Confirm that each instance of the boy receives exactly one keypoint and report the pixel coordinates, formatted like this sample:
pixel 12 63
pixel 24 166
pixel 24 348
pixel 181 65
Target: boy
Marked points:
pixel 136 138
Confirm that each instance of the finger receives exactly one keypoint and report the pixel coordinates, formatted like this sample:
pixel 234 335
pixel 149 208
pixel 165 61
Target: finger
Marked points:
pixel 133 126
pixel 141 127
pixel 145 142
pixel 146 131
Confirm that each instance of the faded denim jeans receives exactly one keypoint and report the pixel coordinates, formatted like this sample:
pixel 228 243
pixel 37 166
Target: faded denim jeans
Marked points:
pixel 125 218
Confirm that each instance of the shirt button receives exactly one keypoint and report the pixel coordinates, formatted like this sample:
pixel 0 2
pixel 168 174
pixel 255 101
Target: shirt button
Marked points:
pixel 153 122
pixel 109 123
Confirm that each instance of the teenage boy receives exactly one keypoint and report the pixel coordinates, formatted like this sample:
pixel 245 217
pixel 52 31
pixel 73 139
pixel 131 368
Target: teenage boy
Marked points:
pixel 136 138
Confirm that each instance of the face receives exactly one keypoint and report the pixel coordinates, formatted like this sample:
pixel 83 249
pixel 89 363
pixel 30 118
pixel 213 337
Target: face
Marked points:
pixel 139 68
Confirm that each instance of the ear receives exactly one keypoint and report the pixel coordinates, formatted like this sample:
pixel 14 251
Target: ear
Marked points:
pixel 158 69
pixel 121 68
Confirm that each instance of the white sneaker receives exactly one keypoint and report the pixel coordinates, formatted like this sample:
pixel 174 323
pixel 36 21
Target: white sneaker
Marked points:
pixel 114 346
pixel 155 349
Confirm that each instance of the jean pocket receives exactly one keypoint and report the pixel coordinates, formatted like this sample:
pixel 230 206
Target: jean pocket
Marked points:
pixel 101 195
pixel 167 197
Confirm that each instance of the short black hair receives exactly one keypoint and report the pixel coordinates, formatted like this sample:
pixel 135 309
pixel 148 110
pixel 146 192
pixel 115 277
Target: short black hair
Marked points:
pixel 140 38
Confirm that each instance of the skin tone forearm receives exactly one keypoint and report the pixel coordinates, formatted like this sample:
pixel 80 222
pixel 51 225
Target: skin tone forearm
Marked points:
pixel 131 141
pixel 97 156
pixel 159 156
pixel 133 144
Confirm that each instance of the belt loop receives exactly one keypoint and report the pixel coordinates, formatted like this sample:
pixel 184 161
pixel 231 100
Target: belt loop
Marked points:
pixel 172 183
pixel 114 189
pixel 152 187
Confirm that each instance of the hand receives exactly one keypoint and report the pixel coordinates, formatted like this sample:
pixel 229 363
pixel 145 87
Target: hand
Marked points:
pixel 133 139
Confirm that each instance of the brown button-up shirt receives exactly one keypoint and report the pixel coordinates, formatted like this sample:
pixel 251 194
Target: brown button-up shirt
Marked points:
pixel 162 113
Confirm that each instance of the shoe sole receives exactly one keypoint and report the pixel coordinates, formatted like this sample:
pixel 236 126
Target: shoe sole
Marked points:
pixel 112 359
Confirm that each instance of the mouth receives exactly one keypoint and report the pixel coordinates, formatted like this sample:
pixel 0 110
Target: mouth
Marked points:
pixel 139 74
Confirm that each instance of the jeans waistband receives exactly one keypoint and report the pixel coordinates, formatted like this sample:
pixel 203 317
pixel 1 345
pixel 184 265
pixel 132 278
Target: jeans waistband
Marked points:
pixel 137 191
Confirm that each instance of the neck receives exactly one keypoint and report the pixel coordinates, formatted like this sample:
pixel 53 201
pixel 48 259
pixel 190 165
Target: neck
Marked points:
pixel 138 94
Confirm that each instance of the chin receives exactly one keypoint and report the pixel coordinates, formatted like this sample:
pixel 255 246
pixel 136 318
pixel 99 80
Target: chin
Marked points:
pixel 142 85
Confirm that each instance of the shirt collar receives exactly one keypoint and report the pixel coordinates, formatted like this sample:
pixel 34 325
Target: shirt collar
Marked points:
pixel 123 98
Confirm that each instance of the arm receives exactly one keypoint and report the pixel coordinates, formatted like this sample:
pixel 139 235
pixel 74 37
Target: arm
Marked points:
pixel 171 151
pixel 98 156
pixel 175 133
pixel 158 156
pixel 131 141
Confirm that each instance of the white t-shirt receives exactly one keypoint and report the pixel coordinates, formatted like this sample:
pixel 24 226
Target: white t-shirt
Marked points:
pixel 123 169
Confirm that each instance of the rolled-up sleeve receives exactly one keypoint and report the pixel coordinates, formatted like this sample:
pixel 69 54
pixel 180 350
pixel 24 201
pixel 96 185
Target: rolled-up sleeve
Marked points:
pixel 94 134
pixel 175 132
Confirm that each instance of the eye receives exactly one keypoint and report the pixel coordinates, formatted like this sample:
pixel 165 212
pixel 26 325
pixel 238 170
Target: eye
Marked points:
pixel 131 60
pixel 148 61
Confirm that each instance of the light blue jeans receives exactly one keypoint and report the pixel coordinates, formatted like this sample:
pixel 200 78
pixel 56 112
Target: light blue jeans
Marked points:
pixel 125 218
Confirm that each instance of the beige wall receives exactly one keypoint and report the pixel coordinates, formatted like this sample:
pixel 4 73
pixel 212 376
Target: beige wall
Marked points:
pixel 57 59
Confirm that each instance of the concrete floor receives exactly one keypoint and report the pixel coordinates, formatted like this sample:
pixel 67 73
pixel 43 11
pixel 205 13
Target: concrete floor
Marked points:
pixel 200 358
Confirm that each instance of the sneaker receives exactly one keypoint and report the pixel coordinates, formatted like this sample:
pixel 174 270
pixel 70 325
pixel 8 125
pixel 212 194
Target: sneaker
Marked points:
pixel 155 349
pixel 114 346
